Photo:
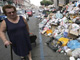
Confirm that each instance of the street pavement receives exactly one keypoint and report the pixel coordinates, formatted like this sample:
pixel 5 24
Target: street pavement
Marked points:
pixel 42 51
pixel 39 52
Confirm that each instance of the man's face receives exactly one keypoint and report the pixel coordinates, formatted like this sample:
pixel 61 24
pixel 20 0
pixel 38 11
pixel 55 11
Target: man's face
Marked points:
pixel 10 13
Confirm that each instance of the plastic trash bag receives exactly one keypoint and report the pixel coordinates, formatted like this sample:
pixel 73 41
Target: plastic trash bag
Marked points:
pixel 73 44
pixel 78 39
pixel 59 15
pixel 58 37
pixel 65 34
pixel 76 53
pixel 71 58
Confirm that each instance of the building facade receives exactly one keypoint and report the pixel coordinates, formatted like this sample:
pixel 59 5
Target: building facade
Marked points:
pixel 61 2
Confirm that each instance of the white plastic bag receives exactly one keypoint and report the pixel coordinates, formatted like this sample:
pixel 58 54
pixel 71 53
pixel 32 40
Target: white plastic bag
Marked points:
pixel 76 52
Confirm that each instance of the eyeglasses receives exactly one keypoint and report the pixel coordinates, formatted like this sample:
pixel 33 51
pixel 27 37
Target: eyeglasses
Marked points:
pixel 11 12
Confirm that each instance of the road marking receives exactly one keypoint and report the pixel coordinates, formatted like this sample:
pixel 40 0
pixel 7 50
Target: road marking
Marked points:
pixel 41 47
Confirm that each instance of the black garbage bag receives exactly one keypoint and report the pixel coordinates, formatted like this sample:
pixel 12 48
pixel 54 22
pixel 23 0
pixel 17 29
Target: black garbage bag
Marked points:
pixel 77 21
pixel 33 38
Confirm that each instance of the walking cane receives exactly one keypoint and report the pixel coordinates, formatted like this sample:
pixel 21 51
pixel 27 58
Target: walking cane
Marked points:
pixel 10 51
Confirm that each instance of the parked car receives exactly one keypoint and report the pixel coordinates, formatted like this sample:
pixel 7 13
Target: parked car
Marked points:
pixel 23 13
pixel 40 16
pixel 29 12
pixel 2 17
pixel 40 10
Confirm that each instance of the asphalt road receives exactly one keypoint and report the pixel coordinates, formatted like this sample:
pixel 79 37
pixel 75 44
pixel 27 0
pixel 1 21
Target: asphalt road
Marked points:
pixel 39 52
pixel 42 51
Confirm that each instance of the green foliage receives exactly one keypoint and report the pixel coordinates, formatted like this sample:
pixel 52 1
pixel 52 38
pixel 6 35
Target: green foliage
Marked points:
pixel 42 3
pixel 46 3
pixel 49 12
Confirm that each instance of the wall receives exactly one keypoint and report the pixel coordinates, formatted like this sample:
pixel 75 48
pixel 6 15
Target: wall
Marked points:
pixel 72 0
pixel 61 2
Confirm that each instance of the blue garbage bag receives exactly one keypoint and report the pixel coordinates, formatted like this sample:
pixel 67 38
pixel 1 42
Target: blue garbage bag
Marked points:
pixel 75 4
pixel 65 34
pixel 59 15
pixel 73 44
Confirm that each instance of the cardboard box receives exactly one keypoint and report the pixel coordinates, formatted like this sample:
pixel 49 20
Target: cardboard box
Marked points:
pixel 73 34
pixel 50 15
pixel 54 26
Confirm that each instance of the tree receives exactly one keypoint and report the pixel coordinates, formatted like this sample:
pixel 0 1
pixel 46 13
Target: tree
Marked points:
pixel 46 3
pixel 42 3
pixel 67 1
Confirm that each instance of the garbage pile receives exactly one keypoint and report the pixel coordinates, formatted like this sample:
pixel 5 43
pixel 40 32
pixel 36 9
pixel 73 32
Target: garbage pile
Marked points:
pixel 63 27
